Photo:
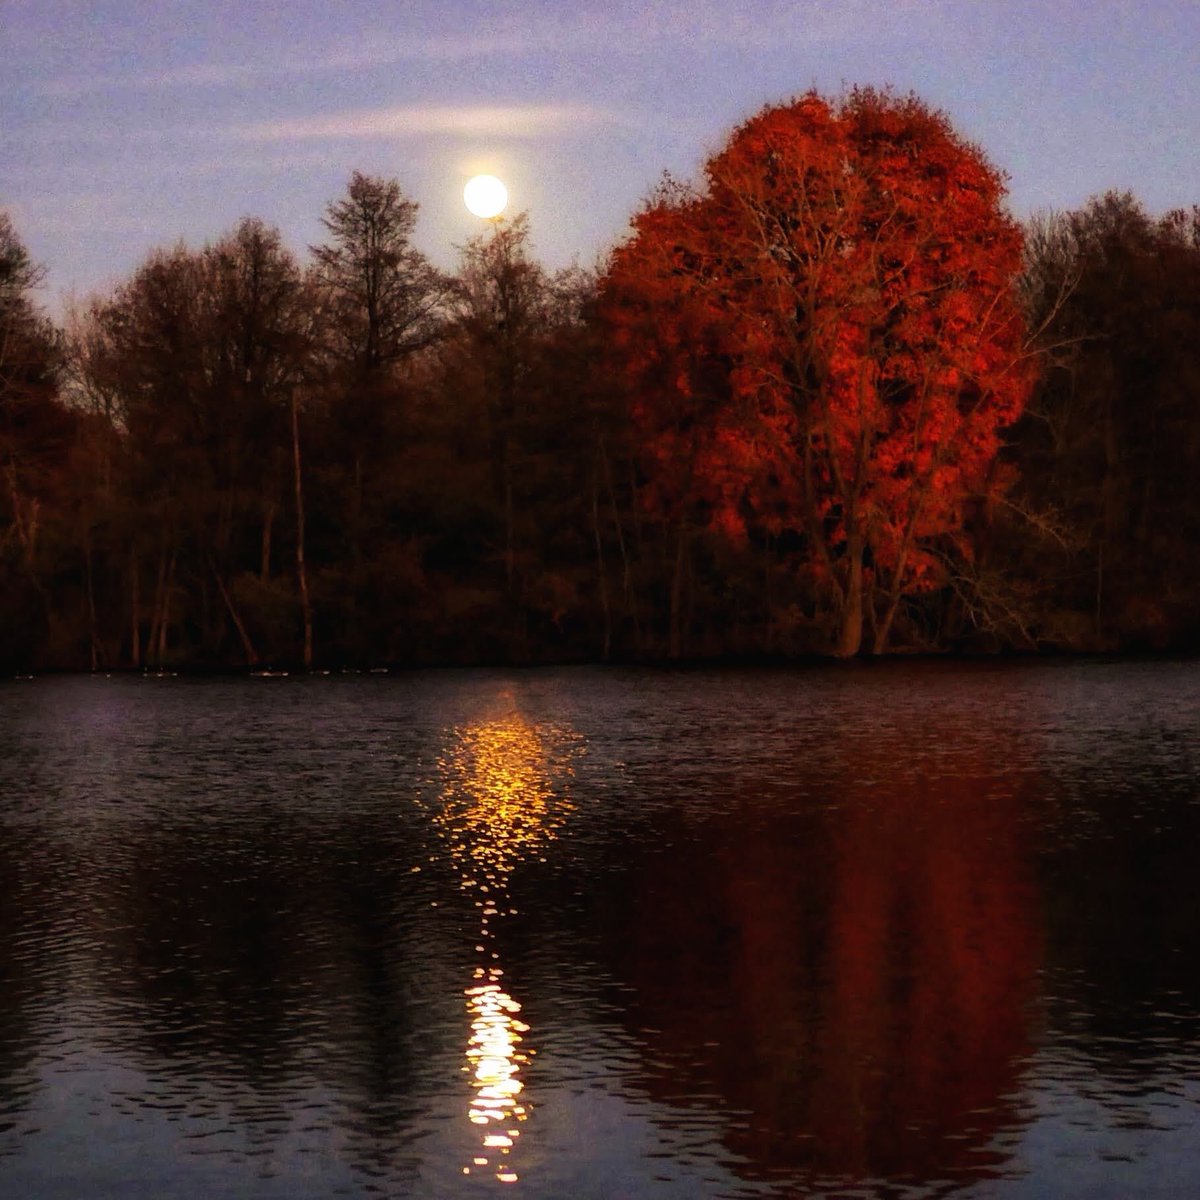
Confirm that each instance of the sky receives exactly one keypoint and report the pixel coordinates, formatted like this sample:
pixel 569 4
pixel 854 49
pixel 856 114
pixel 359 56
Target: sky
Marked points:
pixel 126 125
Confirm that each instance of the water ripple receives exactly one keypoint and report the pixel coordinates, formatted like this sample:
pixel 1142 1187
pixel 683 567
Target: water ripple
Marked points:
pixel 904 930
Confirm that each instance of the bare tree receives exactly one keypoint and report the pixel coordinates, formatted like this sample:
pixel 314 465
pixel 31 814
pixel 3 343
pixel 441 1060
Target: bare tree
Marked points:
pixel 383 297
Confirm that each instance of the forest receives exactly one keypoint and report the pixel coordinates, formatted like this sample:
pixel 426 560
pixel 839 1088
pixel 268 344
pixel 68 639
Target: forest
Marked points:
pixel 830 399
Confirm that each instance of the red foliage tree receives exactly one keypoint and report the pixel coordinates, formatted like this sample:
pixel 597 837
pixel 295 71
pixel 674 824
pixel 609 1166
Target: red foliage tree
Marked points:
pixel 825 339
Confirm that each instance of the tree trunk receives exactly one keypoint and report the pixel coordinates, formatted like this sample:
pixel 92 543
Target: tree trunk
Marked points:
pixel 91 599
pixel 1113 509
pixel 850 634
pixel 351 639
pixel 157 616
pixel 135 615
pixel 165 617
pixel 301 571
pixel 884 628
pixel 600 563
pixel 675 642
pixel 510 558
pixel 247 645
pixel 627 591
pixel 264 573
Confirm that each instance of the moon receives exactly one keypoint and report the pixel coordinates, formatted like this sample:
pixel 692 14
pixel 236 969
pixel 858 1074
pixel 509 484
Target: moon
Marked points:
pixel 485 196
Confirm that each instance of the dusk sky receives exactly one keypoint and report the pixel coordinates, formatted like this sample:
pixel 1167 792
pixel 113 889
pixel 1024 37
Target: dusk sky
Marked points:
pixel 128 125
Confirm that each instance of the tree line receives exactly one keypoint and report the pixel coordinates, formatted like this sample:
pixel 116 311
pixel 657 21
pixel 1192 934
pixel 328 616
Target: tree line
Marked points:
pixel 829 399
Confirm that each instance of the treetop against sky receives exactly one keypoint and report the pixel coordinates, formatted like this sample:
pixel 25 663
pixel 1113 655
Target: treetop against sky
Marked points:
pixel 130 124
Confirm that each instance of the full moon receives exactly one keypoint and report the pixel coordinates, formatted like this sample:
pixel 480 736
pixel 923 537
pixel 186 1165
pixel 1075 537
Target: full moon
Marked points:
pixel 485 196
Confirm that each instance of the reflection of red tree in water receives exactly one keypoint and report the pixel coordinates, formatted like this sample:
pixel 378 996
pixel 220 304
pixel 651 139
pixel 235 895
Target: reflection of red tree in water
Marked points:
pixel 932 964
pixel 855 980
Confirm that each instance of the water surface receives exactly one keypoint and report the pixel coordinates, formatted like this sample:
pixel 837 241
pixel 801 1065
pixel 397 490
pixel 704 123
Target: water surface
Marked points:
pixel 896 930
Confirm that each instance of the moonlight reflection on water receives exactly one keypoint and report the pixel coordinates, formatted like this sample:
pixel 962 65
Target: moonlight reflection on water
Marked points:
pixel 915 929
pixel 497 808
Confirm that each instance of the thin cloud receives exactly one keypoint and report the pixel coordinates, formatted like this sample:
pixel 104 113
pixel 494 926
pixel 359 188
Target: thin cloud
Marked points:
pixel 354 58
pixel 196 75
pixel 591 30
pixel 490 120
pixel 434 47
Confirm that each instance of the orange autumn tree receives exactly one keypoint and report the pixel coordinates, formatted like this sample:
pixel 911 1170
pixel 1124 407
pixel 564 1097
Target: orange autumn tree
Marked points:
pixel 824 339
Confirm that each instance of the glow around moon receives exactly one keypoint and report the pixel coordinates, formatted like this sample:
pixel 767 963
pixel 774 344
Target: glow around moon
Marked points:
pixel 485 196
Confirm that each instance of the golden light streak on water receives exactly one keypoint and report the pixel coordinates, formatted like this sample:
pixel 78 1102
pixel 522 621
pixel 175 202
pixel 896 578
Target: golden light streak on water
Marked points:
pixel 501 803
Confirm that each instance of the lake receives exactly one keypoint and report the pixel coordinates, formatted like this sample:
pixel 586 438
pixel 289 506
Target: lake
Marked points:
pixel 898 929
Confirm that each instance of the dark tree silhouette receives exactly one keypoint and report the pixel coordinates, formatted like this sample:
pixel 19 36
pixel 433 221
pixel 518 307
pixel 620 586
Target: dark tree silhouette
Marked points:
pixel 1112 437
pixel 36 435
pixel 381 296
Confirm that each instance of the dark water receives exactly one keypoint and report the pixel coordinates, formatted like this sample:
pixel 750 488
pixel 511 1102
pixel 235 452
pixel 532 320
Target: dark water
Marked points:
pixel 905 930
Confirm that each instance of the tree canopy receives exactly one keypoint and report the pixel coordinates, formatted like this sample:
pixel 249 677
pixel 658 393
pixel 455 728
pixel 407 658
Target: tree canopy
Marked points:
pixel 381 294
pixel 825 339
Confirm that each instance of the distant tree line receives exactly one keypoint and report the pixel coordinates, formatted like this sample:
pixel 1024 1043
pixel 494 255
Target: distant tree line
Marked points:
pixel 831 400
